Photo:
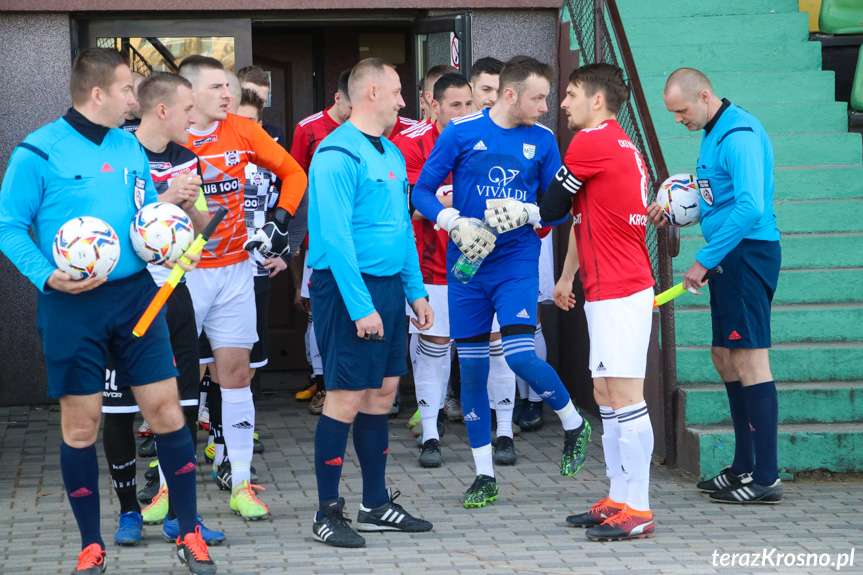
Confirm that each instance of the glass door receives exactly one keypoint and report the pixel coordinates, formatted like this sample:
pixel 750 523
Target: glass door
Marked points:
pixel 442 40
pixel 160 45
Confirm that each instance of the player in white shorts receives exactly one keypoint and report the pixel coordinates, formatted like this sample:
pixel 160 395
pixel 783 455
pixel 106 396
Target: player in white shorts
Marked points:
pixel 223 293
pixel 451 98
pixel 604 183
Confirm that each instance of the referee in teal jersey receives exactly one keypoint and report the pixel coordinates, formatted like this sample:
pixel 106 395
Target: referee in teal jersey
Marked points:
pixel 365 263
pixel 735 178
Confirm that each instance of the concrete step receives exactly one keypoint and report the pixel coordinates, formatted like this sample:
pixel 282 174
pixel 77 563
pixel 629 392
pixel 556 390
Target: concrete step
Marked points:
pixel 788 324
pixel 762 87
pixel 798 251
pixel 809 217
pixel 777 118
pixel 788 149
pixel 750 28
pixel 729 58
pixel 795 362
pixel 704 451
pixel 814 402
pixel 662 8
pixel 795 287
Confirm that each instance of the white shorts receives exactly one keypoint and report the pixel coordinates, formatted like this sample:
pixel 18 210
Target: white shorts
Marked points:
pixel 619 334
pixel 307 276
pixel 224 300
pixel 546 270
pixel 439 303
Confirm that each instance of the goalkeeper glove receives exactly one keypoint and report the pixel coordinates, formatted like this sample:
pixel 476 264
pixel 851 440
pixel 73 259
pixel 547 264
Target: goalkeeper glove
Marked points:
pixel 470 235
pixel 272 239
pixel 506 214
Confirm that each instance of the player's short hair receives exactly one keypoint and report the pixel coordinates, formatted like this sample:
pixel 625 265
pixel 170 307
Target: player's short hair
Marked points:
pixel 363 71
pixel 446 82
pixel 191 66
pixel 342 86
pixel 487 65
pixel 253 75
pixel 690 81
pixel 251 98
pixel 433 74
pixel 159 88
pixel 93 67
pixel 518 69
pixel 605 77
pixel 234 86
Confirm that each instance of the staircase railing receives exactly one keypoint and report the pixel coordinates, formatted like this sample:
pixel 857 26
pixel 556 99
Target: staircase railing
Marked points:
pixel 601 38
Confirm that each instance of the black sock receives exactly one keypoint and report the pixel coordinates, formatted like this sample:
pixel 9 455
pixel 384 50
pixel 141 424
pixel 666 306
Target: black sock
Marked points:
pixel 215 402
pixel 118 438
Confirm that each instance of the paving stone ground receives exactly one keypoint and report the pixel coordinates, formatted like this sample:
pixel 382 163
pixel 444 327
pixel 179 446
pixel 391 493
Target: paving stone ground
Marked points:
pixel 523 532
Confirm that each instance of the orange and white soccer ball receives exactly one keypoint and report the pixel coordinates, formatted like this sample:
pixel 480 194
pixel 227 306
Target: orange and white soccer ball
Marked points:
pixel 86 247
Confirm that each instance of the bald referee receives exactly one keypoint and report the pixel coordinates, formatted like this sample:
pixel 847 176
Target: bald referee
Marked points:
pixel 362 251
pixel 735 178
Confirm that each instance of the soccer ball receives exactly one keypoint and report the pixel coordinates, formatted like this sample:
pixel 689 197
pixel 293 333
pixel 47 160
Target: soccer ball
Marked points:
pixel 161 232
pixel 679 198
pixel 86 247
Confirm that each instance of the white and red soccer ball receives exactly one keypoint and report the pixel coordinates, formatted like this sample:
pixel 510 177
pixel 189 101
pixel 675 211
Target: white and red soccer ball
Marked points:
pixel 86 247
pixel 161 232
pixel 679 198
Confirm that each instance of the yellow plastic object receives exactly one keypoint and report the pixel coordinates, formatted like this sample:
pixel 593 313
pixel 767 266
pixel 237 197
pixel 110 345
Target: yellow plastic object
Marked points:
pixel 857 84
pixel 813 7
pixel 841 17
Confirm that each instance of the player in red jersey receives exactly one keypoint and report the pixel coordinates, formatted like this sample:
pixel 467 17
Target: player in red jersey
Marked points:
pixel 604 182
pixel 223 293
pixel 452 98
pixel 308 134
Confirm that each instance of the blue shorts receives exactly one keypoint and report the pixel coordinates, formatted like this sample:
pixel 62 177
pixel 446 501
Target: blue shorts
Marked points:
pixel 472 305
pixel 79 330
pixel 741 295
pixel 351 362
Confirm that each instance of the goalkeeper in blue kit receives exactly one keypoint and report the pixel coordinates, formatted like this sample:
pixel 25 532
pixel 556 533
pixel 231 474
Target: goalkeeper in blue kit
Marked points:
pixel 501 162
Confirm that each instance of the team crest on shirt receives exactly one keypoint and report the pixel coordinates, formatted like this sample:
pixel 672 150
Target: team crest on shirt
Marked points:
pixel 706 192
pixel 232 158
pixel 529 151
pixel 257 178
pixel 140 186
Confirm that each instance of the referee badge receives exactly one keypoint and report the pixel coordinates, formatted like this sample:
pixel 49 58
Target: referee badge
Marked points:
pixel 139 192
pixel 706 192
pixel 529 151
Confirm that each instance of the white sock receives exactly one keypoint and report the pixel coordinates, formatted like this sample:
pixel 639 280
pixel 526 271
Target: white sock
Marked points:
pixel 483 461
pixel 240 471
pixel 238 427
pixel 413 346
pixel 162 482
pixel 611 450
pixel 569 416
pixel 307 338
pixel 445 373
pixel 501 389
pixel 429 380
pixel 219 455
pixel 202 401
pixel 541 353
pixel 636 448
pixel 317 362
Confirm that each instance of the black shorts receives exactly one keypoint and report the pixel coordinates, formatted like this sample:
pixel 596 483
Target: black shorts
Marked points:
pixel 118 398
pixel 741 295
pixel 351 362
pixel 259 357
